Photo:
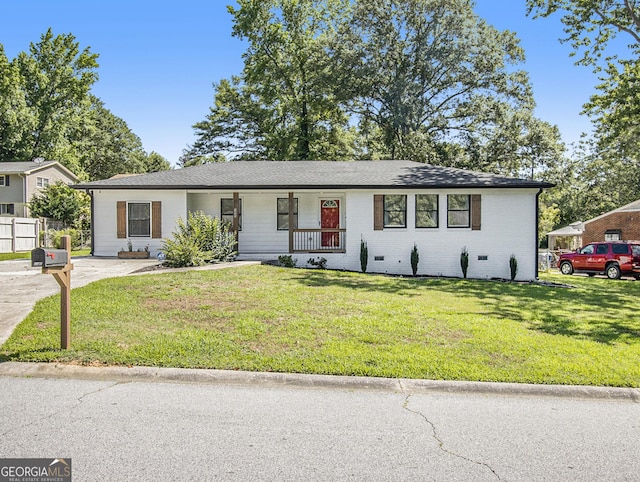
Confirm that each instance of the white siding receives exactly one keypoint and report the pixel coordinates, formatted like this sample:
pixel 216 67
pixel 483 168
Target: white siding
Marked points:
pixel 508 226
pixel 106 241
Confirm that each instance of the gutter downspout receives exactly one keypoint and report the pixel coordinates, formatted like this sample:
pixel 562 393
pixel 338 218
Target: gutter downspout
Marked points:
pixel 537 227
pixel 90 193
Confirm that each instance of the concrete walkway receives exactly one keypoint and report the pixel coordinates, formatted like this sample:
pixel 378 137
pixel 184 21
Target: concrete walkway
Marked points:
pixel 23 286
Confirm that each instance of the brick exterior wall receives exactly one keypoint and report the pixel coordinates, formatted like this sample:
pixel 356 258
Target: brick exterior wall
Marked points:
pixel 628 222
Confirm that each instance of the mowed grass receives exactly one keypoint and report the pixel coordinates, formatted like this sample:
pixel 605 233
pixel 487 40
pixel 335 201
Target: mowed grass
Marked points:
pixel 265 318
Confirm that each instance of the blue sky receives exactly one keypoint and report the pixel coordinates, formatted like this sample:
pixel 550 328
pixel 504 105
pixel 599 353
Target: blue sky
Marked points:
pixel 158 59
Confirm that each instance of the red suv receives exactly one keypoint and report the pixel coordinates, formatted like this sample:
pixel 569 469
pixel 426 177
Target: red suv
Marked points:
pixel 612 259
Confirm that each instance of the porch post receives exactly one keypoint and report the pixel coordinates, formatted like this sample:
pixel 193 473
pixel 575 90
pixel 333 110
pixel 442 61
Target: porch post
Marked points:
pixel 291 220
pixel 236 216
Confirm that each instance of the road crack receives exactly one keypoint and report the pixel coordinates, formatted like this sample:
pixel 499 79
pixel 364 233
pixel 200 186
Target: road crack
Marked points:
pixel 440 442
pixel 79 401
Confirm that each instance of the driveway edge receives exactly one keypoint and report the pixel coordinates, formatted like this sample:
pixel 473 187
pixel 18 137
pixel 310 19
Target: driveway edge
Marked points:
pixel 296 380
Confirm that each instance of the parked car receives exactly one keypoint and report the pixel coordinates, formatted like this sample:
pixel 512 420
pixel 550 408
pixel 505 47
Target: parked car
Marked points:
pixel 613 259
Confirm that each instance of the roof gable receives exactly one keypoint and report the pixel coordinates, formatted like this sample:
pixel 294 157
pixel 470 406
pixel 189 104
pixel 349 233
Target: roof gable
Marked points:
pixel 631 207
pixel 312 175
pixel 28 168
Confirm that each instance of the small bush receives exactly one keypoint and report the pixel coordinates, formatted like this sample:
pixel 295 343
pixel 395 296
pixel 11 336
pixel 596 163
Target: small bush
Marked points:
pixel 364 255
pixel 55 238
pixel 320 263
pixel 287 261
pixel 464 261
pixel 415 259
pixel 202 239
pixel 183 252
pixel 513 266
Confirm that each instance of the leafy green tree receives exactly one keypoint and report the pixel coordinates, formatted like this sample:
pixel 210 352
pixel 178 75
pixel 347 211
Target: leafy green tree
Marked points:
pixel 616 109
pixel 63 203
pixel 47 110
pixel 154 162
pixel 190 157
pixel 428 73
pixel 16 121
pixel 607 168
pixel 105 144
pixel 547 220
pixel 56 76
pixel 591 24
pixel 520 145
pixel 282 106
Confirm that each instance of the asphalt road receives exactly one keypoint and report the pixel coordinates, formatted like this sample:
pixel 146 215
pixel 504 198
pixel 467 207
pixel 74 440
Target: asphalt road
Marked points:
pixel 249 429
pixel 166 424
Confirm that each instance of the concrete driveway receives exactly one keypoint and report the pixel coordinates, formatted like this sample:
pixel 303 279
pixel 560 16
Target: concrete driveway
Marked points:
pixel 23 285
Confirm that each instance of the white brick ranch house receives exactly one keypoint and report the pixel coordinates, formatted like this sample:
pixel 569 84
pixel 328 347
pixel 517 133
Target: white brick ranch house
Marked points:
pixel 312 209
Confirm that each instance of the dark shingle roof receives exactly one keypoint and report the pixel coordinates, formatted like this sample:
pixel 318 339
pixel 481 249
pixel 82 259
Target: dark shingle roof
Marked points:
pixel 311 175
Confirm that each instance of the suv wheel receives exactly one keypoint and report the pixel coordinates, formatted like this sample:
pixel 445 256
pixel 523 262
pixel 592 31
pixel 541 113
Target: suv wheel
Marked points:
pixel 566 267
pixel 613 271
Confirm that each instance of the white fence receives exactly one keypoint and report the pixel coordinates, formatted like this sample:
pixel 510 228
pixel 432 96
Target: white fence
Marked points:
pixel 18 234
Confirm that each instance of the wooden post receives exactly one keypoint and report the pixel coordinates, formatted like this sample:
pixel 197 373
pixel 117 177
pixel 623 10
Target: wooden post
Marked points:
pixel 236 218
pixel 62 275
pixel 291 219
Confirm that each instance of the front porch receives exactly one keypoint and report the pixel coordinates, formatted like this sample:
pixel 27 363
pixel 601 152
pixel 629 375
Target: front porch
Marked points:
pixel 270 223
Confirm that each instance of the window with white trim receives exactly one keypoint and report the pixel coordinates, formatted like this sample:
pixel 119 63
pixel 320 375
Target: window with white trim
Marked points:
pixel 139 219
pixel 7 208
pixel 42 181
pixel 613 235
pixel 3 180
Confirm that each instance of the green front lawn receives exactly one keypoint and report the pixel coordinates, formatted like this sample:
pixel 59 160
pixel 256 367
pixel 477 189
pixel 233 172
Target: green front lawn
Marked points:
pixel 309 321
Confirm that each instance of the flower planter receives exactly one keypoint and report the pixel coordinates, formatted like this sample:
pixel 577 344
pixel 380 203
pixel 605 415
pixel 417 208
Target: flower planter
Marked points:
pixel 133 254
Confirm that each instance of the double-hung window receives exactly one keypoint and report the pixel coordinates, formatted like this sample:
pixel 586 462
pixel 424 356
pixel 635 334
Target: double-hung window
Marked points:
pixel 395 211
pixel 226 211
pixel 458 210
pixel 42 182
pixel 426 210
pixel 7 209
pixel 3 180
pixel 139 219
pixel 283 213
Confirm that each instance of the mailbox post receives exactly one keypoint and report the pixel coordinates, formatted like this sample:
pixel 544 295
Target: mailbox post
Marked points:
pixel 58 263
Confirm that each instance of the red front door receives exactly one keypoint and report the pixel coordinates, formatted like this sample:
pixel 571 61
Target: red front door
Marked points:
pixel 330 219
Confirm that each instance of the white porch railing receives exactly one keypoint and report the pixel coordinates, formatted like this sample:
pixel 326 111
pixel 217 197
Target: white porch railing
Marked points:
pixel 323 240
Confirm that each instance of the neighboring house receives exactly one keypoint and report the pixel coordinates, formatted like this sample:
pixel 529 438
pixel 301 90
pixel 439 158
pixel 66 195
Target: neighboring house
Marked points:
pixel 19 181
pixel 622 224
pixel 312 209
